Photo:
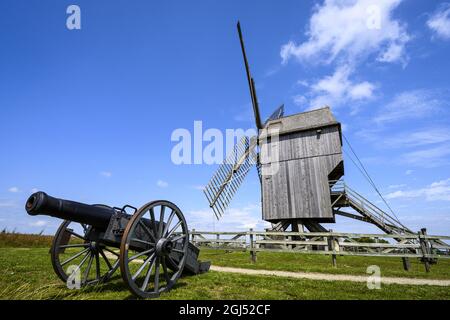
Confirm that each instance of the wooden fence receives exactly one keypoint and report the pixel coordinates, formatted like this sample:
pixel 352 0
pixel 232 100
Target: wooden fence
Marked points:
pixel 427 248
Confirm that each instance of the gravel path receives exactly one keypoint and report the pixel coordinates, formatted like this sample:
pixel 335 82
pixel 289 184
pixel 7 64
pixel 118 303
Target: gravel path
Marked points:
pixel 332 277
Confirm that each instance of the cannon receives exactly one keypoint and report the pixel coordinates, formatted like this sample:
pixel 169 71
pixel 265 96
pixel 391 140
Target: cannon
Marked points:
pixel 150 245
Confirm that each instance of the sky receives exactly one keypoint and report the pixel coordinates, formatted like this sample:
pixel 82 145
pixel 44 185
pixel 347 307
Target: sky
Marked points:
pixel 88 114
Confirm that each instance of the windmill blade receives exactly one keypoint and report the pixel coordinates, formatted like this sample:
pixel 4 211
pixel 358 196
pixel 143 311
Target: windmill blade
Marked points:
pixel 230 174
pixel 251 82
pixel 278 113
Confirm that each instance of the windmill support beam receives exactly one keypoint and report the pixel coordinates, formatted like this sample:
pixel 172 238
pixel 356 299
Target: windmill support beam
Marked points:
pixel 350 215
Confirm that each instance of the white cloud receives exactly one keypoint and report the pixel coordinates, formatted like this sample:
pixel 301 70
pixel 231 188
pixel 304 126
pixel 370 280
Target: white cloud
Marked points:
pixel 426 148
pixel 418 138
pixel 39 223
pixel 393 53
pixel 439 190
pixel 272 71
pixel 14 189
pixel 337 90
pixel 342 29
pixel 410 104
pixel 242 218
pixel 428 158
pixel 198 187
pixel 363 90
pixel 34 190
pixel 406 139
pixel 432 144
pixel 106 174
pixel 303 82
pixel 396 186
pixel 439 22
pixel 162 184
pixel 299 100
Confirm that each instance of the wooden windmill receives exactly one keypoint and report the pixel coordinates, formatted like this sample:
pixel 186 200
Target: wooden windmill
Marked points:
pixel 301 185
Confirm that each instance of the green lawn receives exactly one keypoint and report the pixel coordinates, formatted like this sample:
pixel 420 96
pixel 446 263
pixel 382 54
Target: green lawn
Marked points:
pixel 355 265
pixel 27 274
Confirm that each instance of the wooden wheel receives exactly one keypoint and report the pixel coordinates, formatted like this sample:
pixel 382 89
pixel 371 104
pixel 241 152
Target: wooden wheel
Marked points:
pixel 74 255
pixel 154 248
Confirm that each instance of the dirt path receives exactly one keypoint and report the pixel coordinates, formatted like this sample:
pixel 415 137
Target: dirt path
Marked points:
pixel 332 277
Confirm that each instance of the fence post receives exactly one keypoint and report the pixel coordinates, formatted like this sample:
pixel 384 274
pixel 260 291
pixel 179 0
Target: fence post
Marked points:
pixel 406 263
pixel 289 246
pixel 424 249
pixel 252 247
pixel 193 236
pixel 332 248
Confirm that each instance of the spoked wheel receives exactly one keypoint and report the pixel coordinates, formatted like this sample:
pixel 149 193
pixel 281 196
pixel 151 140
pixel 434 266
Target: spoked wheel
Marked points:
pixel 75 256
pixel 154 248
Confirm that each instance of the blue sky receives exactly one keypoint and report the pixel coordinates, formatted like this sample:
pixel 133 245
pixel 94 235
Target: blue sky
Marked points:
pixel 88 114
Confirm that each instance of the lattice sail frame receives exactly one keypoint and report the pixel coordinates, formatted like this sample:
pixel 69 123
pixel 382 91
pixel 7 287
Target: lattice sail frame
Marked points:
pixel 230 175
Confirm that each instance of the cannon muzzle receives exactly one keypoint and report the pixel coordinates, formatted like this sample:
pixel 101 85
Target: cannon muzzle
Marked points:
pixel 40 203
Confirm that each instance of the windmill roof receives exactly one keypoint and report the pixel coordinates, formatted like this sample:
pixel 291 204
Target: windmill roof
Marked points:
pixel 304 121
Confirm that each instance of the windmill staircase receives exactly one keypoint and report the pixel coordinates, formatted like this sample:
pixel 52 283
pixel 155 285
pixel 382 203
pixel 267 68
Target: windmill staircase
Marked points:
pixel 342 196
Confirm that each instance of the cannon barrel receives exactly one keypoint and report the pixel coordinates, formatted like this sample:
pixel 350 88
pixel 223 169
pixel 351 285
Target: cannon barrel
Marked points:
pixel 40 203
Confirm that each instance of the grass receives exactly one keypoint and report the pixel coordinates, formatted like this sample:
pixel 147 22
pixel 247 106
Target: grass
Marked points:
pixel 27 274
pixel 276 260
pixel 22 240
pixel 298 262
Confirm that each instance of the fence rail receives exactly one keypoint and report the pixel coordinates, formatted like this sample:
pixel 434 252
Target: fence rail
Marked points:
pixel 428 248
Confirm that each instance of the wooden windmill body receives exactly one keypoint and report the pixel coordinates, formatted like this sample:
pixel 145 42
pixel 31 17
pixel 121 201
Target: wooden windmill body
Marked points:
pixel 295 185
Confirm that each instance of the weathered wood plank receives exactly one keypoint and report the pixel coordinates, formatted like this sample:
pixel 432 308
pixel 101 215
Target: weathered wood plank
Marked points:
pixel 379 245
pixel 220 241
pixel 292 242
pixel 300 188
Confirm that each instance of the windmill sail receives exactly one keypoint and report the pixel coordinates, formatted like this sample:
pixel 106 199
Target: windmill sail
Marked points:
pixel 278 113
pixel 251 82
pixel 230 174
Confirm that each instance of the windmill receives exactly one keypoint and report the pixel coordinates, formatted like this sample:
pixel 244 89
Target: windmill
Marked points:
pixel 306 189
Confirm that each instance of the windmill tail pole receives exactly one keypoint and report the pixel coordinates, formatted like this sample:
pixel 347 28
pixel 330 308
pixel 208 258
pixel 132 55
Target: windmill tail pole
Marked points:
pixel 40 203
pixel 251 82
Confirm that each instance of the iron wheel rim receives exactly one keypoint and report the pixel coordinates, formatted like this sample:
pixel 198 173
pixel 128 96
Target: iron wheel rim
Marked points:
pixel 174 229
pixel 90 255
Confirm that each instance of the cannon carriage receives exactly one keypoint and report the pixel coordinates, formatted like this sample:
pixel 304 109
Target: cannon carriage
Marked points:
pixel 149 245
